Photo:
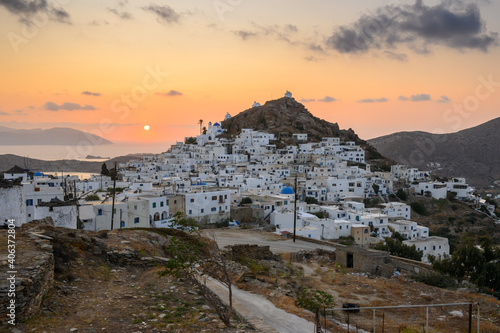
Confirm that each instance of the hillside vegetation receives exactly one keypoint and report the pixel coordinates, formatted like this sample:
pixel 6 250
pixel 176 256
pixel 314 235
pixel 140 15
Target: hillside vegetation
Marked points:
pixel 473 153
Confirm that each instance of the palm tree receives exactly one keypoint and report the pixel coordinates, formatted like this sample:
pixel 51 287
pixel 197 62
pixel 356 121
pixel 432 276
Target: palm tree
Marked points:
pixel 201 125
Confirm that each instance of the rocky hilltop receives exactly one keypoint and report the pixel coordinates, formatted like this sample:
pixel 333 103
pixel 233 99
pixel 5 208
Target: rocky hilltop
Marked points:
pixel 473 153
pixel 284 117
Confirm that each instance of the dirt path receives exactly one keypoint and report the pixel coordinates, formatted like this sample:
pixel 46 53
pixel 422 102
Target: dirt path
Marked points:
pixel 260 312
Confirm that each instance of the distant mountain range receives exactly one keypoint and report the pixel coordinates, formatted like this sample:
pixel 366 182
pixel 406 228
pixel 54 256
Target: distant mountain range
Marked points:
pixel 473 153
pixel 284 117
pixel 52 136
pixel 9 161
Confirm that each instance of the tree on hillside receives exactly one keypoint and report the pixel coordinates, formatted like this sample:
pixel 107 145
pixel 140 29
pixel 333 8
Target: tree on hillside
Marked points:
pixel 477 262
pixel 246 200
pixel 401 194
pixel 190 141
pixel 376 188
pixel 397 248
pixel 195 258
pixel 311 200
pixel 104 170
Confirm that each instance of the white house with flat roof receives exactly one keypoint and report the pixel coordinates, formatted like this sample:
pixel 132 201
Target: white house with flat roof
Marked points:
pixel 397 209
pixel 209 206
pixel 434 246
pixel 434 189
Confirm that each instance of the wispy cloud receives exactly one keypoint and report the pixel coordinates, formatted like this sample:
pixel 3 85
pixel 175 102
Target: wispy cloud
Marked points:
pixel 307 100
pixel 25 9
pixel 396 56
pixel 416 98
pixel 164 14
pixel 373 100
pixel 245 35
pixel 287 33
pixel 88 93
pixel 67 106
pixel 171 93
pixel 453 24
pixel 121 14
pixel 2 113
pixel 98 22
pixel 327 99
pixel 443 99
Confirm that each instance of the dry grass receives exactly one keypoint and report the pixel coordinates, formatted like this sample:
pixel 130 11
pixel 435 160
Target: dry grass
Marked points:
pixel 373 291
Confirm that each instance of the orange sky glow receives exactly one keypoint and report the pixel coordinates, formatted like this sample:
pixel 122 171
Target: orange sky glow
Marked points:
pixel 113 68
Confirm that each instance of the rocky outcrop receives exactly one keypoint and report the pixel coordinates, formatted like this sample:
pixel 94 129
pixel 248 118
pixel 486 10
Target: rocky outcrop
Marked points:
pixel 284 117
pixel 254 252
pixel 43 252
pixel 34 272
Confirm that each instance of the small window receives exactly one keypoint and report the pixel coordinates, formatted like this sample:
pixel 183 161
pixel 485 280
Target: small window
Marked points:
pixel 136 220
pixel 99 211
pixel 135 207
pixel 192 200
pixel 202 210
pixel 190 212
pixel 213 209
pixel 214 197
pixel 161 204
pixel 175 202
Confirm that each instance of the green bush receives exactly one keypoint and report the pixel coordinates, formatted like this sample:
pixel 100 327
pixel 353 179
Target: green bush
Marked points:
pixel 419 208
pixel 314 299
pixel 92 197
pixel 246 200
pixel 436 280
pixel 397 248
pixel 401 194
pixel 311 200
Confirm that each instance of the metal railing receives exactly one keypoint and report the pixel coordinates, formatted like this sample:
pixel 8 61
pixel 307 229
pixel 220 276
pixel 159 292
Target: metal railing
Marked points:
pixel 375 308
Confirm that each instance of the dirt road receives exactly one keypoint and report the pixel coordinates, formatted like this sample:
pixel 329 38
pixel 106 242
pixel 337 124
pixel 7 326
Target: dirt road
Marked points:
pixel 260 312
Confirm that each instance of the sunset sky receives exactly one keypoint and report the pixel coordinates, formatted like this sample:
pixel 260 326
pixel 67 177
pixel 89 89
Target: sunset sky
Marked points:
pixel 112 67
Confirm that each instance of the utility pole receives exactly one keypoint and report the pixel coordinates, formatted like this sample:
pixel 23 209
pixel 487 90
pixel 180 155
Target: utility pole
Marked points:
pixel 76 204
pixel 295 209
pixel 114 194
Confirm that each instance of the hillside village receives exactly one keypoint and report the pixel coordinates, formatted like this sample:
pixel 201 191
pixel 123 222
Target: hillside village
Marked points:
pixel 250 178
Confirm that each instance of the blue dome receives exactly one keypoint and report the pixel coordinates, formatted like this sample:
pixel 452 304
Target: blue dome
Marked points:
pixel 216 124
pixel 287 190
pixel 38 174
pixel 200 183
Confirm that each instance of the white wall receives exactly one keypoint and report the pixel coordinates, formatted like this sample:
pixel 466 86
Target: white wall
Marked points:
pixel 12 205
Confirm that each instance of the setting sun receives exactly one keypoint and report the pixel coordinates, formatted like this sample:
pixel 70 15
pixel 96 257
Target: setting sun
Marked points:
pixel 146 127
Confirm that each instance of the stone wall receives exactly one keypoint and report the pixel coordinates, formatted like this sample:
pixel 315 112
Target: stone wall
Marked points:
pixel 246 215
pixel 34 265
pixel 255 252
